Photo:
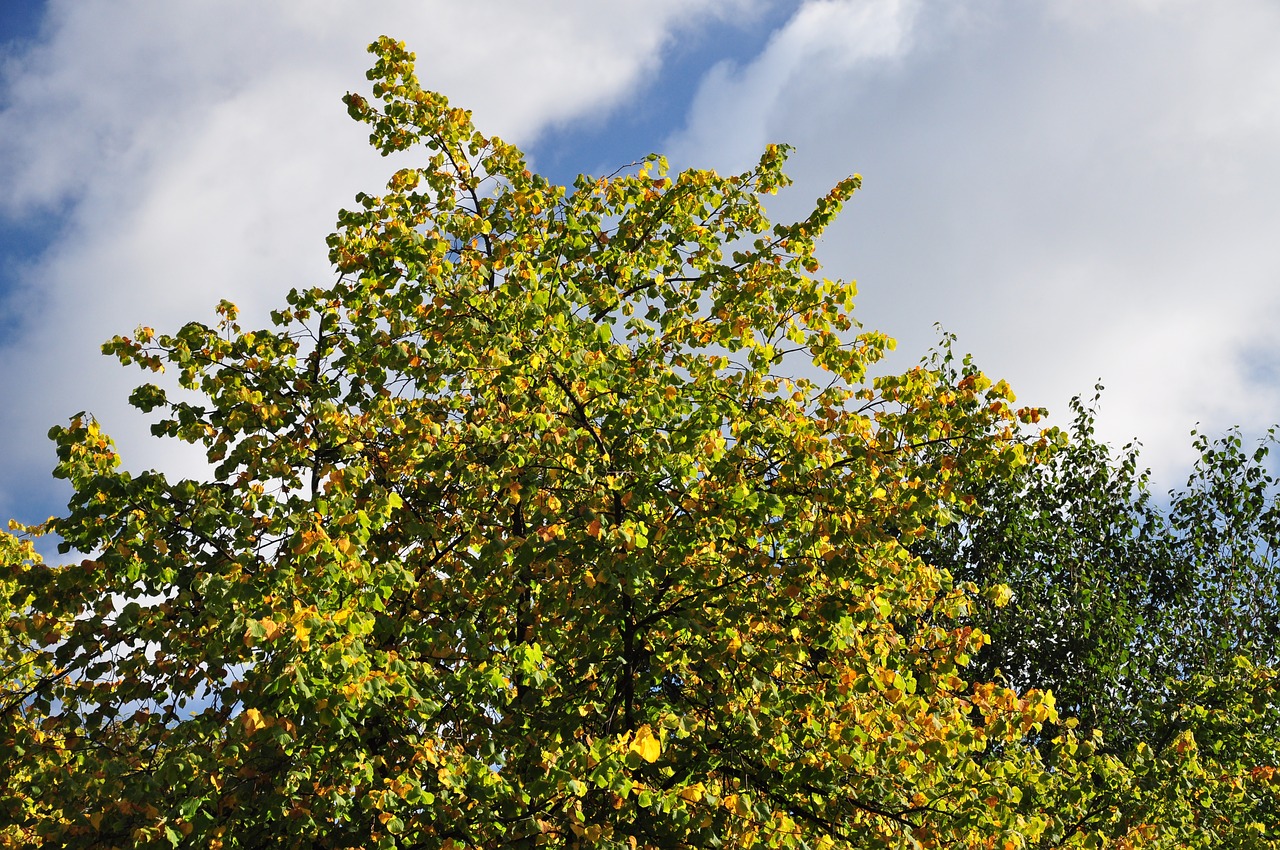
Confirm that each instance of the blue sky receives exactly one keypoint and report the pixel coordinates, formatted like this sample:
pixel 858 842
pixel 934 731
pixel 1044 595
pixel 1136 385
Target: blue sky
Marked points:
pixel 1080 189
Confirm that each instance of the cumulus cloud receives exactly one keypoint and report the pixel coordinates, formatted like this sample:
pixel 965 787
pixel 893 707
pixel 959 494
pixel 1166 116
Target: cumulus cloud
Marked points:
pixel 736 106
pixel 1079 190
pixel 195 151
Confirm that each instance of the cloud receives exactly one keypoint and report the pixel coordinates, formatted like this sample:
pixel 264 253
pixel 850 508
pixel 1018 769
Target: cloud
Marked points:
pixel 1079 190
pixel 830 37
pixel 189 152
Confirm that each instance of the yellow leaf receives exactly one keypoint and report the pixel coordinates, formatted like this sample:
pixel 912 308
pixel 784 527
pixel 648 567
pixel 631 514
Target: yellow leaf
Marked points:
pixel 692 793
pixel 1000 595
pixel 252 720
pixel 646 745
pixel 302 634
pixel 737 805
pixel 271 627
pixel 301 631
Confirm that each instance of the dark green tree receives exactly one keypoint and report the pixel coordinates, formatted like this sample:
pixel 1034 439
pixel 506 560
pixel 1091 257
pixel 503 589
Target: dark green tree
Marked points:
pixel 1149 619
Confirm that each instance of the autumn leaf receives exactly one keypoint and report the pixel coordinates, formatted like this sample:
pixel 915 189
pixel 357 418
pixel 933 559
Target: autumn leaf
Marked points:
pixel 251 721
pixel 645 744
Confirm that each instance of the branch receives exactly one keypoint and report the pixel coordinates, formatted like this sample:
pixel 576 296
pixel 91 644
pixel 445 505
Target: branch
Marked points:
pixel 583 417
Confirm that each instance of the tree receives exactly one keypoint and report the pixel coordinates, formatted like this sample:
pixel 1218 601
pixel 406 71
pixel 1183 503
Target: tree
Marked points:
pixel 1093 573
pixel 1151 624
pixel 516 536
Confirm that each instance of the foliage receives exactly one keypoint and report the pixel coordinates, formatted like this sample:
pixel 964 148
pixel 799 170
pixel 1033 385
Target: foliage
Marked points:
pixel 515 536
pixel 1092 569
pixel 1153 625
pixel 1227 526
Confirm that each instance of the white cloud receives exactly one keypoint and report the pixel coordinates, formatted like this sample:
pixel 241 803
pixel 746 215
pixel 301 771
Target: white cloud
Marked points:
pixel 829 37
pixel 199 150
pixel 1080 190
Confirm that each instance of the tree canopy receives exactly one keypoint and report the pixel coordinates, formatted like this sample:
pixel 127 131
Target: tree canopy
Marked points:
pixel 521 532
pixel 1147 618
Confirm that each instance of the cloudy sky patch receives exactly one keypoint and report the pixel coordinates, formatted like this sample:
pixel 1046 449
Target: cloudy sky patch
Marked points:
pixel 1079 190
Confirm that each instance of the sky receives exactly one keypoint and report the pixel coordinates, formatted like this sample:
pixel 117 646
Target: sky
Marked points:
pixel 1079 190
